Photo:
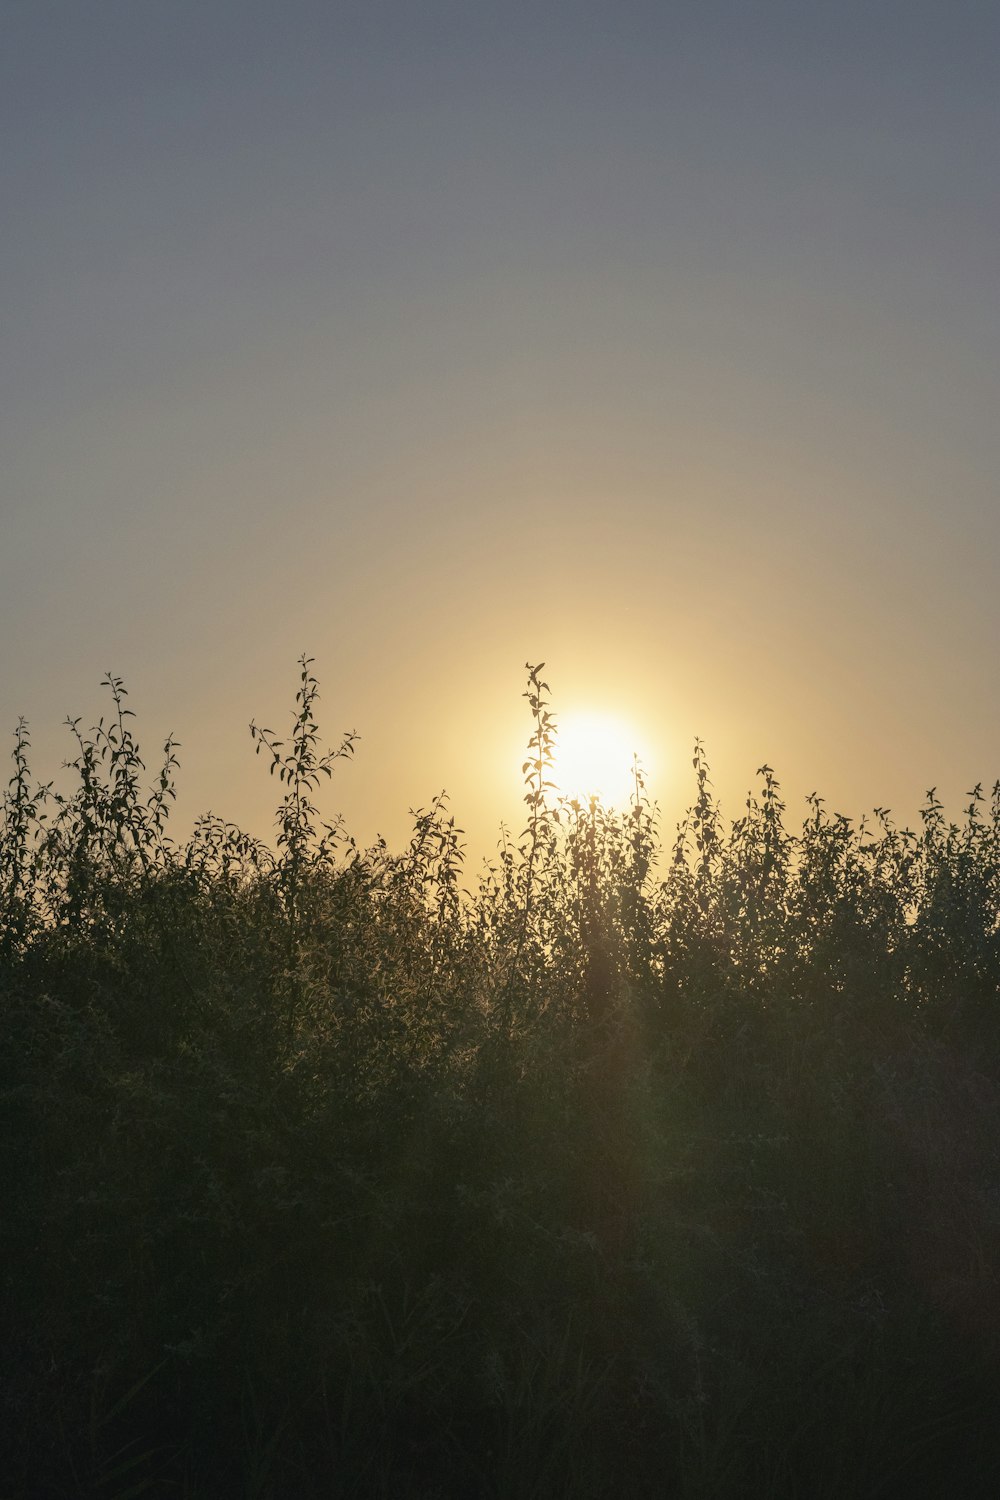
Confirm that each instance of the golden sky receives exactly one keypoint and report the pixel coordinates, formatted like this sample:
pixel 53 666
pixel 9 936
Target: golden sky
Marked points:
pixel 657 342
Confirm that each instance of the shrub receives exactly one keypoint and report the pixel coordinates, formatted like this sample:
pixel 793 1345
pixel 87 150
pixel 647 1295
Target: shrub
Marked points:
pixel 672 1172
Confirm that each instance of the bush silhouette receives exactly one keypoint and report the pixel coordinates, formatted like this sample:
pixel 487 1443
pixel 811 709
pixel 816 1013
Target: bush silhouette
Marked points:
pixel 625 1170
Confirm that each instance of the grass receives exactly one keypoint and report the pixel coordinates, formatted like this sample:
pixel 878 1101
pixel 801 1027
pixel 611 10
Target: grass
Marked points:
pixel 633 1170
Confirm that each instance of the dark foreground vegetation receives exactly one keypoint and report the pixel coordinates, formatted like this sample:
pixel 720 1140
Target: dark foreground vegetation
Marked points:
pixel 628 1174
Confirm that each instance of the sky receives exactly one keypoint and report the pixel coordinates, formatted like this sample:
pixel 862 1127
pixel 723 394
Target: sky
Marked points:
pixel 658 342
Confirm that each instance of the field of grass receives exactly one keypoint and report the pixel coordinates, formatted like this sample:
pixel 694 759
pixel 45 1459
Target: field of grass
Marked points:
pixel 636 1170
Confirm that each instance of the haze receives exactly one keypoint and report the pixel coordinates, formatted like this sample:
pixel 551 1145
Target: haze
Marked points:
pixel 658 342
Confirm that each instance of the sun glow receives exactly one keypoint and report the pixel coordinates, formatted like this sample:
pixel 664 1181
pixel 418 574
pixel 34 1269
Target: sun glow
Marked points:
pixel 594 757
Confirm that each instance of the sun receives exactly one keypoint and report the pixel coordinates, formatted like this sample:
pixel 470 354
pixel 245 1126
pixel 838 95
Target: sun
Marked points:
pixel 595 757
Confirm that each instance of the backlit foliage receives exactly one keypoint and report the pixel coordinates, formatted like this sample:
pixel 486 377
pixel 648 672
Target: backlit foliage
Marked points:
pixel 615 1168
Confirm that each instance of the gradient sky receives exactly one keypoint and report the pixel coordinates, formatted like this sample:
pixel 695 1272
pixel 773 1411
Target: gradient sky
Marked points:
pixel 657 341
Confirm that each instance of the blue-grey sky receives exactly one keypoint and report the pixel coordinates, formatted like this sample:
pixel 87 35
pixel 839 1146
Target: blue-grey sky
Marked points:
pixel 659 341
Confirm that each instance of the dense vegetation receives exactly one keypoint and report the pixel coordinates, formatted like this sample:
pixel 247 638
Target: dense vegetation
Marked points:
pixel 633 1171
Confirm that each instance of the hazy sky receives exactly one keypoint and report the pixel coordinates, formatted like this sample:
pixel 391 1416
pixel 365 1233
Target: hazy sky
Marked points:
pixel 658 341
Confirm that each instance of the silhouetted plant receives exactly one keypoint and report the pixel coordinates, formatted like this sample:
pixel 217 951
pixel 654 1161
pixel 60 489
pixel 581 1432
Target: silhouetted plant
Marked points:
pixel 303 841
pixel 326 1175
pixel 22 816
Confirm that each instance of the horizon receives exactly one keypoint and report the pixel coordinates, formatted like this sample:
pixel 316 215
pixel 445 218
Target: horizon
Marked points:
pixel 659 343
